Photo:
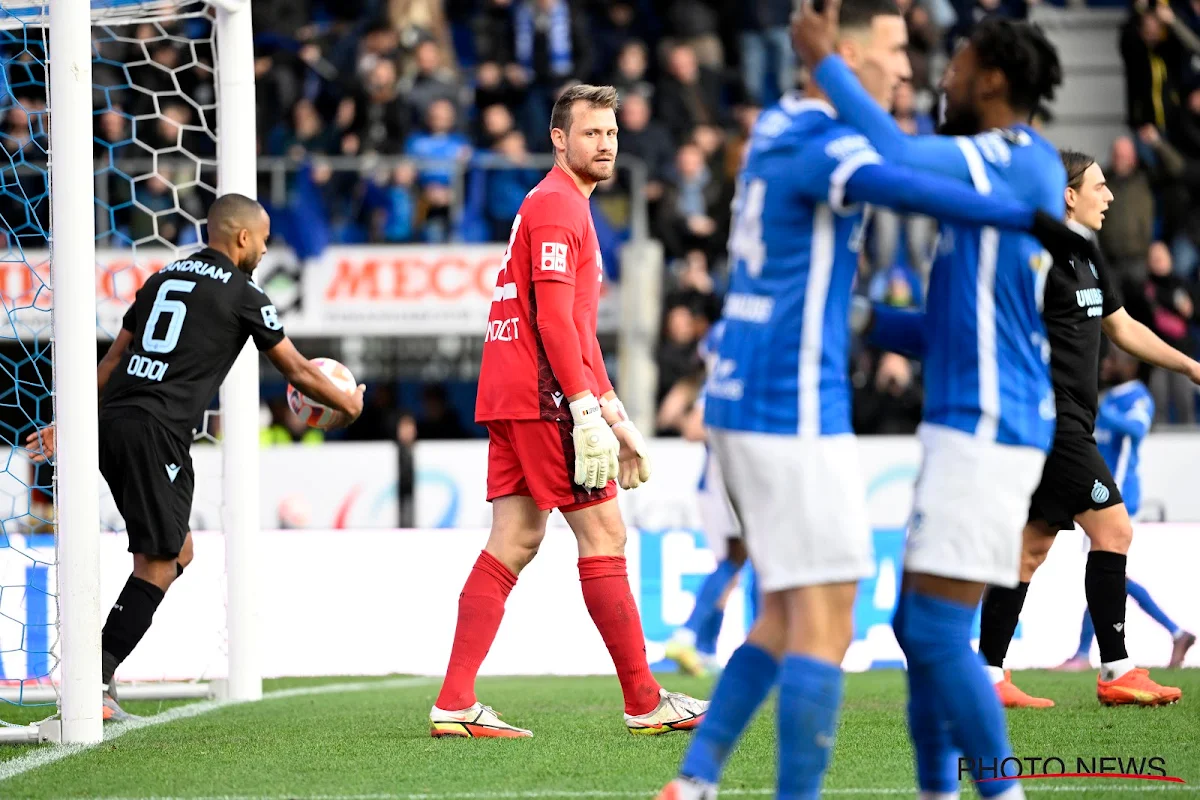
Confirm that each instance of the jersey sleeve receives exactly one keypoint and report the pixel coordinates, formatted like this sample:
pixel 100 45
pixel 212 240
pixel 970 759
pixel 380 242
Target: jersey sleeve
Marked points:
pixel 944 155
pixel 129 321
pixel 898 330
pixel 1134 421
pixel 910 191
pixel 555 241
pixel 1141 415
pixel 258 317
pixel 825 164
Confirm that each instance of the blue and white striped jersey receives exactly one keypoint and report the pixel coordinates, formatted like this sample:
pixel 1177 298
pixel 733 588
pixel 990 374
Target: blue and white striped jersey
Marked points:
pixel 987 367
pixel 987 360
pixel 1123 421
pixel 783 359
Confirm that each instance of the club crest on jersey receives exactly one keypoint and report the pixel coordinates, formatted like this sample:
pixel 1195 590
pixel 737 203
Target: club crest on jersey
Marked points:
pixel 1095 274
pixel 1100 492
pixel 1040 261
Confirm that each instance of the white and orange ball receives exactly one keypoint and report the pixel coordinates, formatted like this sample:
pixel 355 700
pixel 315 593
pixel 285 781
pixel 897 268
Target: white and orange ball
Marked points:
pixel 310 411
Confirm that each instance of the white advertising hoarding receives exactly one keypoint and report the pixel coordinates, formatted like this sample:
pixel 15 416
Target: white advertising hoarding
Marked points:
pixel 335 485
pixel 377 290
pixel 361 602
pixel 452 482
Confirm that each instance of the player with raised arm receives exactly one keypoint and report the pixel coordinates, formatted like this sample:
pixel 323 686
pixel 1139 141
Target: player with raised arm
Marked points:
pixel 1077 485
pixel 177 342
pixel 557 434
pixel 778 402
pixel 989 402
pixel 1122 423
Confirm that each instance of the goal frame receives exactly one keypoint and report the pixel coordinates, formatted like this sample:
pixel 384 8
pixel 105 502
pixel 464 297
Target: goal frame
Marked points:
pixel 73 281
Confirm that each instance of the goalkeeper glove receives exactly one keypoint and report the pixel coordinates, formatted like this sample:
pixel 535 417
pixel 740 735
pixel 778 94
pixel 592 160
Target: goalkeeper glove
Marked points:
pixel 633 472
pixel 596 446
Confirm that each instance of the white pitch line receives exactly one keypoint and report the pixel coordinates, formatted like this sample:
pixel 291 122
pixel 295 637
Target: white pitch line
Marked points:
pixel 539 794
pixel 42 757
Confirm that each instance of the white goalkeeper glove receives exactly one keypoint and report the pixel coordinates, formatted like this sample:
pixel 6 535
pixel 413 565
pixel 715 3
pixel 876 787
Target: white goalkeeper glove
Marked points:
pixel 596 446
pixel 634 471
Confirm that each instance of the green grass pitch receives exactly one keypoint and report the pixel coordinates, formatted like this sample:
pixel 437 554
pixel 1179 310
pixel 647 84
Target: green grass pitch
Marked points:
pixel 373 744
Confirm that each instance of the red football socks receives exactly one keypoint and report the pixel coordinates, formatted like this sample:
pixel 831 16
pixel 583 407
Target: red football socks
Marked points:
pixel 480 609
pixel 610 602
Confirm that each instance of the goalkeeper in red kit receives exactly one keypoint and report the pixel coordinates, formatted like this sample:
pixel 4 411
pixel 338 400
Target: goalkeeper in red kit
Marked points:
pixel 558 436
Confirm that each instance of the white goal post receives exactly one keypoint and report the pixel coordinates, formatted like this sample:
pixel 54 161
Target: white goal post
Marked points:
pixel 66 26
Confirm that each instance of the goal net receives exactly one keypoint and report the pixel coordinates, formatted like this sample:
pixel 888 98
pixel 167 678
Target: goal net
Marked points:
pixel 156 89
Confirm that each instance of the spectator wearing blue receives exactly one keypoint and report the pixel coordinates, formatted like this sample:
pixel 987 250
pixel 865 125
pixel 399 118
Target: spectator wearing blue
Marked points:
pixel 508 181
pixel 440 149
pixel 551 47
pixel 392 206
pixel 766 47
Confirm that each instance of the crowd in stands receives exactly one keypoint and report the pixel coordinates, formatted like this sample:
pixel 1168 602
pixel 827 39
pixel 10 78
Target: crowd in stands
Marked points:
pixel 1150 235
pixel 450 100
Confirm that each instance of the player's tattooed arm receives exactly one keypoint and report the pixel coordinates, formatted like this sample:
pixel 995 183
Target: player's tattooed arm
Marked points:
pixel 309 379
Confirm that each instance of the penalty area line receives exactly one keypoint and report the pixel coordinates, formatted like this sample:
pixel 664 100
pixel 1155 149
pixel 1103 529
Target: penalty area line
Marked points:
pixel 36 759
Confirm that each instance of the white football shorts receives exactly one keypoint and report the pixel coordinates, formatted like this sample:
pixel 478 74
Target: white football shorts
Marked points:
pixel 970 504
pixel 802 506
pixel 716 516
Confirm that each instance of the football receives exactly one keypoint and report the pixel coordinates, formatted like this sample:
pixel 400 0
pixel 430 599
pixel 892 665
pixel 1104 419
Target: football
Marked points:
pixel 313 413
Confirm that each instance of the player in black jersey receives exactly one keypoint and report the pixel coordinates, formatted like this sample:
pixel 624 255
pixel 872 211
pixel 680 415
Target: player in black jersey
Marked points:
pixel 177 343
pixel 1077 486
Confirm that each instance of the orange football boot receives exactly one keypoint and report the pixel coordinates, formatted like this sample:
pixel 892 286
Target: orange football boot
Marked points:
pixel 1012 697
pixel 1135 688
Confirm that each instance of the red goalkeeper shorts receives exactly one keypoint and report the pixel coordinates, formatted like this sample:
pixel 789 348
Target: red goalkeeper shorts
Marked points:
pixel 536 458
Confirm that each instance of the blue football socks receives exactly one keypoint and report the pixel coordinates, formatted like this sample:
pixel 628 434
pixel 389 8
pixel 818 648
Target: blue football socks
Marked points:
pixel 937 759
pixel 935 635
pixel 745 683
pixel 1143 599
pixel 810 694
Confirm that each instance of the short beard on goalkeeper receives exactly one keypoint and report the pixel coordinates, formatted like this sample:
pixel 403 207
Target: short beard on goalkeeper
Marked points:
pixel 591 143
pixel 587 163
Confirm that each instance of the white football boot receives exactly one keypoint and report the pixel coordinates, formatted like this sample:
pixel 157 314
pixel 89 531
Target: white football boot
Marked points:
pixel 476 722
pixel 675 712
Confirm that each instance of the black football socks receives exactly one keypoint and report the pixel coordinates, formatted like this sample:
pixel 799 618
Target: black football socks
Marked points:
pixel 1104 585
pixel 127 623
pixel 998 621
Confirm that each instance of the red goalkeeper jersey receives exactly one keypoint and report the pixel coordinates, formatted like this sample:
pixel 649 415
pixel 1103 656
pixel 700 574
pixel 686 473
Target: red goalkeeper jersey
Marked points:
pixel 552 239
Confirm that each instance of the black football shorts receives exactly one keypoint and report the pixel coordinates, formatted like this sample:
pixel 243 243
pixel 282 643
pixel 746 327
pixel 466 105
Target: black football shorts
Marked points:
pixel 1075 479
pixel 149 471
